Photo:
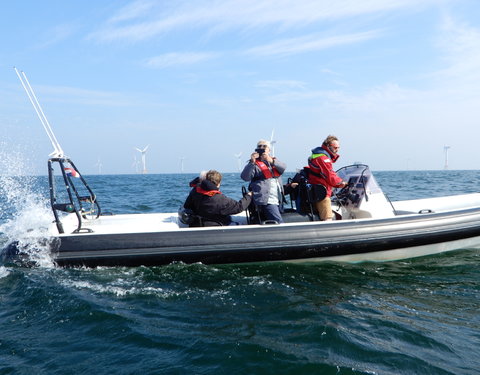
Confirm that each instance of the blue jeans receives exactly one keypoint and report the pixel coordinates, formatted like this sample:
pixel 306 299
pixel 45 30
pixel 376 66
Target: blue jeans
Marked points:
pixel 272 212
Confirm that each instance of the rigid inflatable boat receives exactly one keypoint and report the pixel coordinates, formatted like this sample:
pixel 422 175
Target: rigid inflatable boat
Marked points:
pixel 368 227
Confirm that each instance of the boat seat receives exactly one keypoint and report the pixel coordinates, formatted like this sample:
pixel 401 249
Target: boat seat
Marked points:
pixel 188 217
pixel 293 216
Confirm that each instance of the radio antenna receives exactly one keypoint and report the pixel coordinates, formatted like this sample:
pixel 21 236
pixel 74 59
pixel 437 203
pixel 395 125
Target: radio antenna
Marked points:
pixel 57 149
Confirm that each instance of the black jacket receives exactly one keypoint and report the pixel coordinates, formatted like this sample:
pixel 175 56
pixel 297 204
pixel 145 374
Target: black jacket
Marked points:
pixel 215 209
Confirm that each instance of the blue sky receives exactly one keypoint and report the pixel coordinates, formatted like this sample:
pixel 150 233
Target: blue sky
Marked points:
pixel 395 80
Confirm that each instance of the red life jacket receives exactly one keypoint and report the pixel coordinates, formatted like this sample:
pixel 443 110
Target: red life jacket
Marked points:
pixel 267 172
pixel 210 193
pixel 322 172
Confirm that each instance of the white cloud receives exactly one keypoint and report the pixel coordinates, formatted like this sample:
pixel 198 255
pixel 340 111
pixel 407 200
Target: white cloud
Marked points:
pixel 136 9
pixel 57 34
pixel 309 43
pixel 281 84
pixel 176 58
pixel 154 19
pixel 455 86
pixel 382 98
pixel 62 94
pixel 460 45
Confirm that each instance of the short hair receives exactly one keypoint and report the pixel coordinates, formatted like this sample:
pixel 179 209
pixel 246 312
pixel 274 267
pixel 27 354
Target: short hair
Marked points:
pixel 214 176
pixel 264 142
pixel 202 175
pixel 329 140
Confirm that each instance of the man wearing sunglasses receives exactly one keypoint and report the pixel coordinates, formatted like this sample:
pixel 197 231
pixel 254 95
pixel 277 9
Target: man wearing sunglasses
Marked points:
pixel 264 173
pixel 320 172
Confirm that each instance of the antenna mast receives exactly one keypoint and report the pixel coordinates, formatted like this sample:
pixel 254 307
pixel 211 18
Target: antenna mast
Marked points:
pixel 57 149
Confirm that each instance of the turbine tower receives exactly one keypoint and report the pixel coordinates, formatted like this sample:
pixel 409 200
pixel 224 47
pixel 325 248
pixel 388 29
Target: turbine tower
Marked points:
pixel 98 164
pixel 445 149
pixel 182 159
pixel 135 164
pixel 272 143
pixel 238 156
pixel 144 164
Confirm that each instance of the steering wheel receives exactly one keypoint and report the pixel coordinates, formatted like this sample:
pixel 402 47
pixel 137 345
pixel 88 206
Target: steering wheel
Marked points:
pixel 343 194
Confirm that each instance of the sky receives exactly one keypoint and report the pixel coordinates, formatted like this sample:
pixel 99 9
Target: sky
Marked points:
pixel 202 81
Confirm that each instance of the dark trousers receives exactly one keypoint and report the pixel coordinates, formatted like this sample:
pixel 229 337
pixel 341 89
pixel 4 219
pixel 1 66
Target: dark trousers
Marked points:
pixel 272 212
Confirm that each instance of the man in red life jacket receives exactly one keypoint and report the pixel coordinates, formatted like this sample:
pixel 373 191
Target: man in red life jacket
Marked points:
pixel 207 201
pixel 321 172
pixel 264 173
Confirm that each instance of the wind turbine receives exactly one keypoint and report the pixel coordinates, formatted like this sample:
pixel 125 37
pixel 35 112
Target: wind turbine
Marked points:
pixel 272 142
pixel 99 165
pixel 144 164
pixel 445 149
pixel 135 163
pixel 182 158
pixel 238 156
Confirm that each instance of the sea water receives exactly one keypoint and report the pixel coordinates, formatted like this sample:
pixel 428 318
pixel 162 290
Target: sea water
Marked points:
pixel 416 316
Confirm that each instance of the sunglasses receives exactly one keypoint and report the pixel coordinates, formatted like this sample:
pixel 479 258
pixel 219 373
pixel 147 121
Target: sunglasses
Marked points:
pixel 262 146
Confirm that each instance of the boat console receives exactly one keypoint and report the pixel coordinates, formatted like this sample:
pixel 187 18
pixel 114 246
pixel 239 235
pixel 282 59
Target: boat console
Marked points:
pixel 362 197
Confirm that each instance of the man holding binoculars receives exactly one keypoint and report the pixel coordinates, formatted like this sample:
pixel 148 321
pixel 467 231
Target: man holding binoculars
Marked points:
pixel 264 173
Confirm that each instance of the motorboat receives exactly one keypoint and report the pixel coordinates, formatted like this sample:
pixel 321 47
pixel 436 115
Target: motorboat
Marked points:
pixel 367 227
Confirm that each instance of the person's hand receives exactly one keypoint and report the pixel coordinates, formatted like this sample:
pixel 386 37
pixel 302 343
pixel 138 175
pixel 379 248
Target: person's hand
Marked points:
pixel 293 185
pixel 266 157
pixel 254 157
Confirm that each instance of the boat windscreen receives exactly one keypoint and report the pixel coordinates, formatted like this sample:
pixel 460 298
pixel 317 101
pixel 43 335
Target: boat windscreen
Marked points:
pixel 359 176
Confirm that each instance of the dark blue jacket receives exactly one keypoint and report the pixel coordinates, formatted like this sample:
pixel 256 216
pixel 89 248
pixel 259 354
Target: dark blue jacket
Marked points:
pixel 215 209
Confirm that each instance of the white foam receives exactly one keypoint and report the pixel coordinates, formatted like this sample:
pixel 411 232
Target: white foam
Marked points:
pixel 27 216
pixel 119 288
pixel 4 272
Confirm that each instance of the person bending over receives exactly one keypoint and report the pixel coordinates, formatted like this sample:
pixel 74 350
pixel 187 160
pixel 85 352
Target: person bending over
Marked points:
pixel 206 200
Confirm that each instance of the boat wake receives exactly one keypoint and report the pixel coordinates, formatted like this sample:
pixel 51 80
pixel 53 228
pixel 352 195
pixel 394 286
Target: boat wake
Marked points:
pixel 24 214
